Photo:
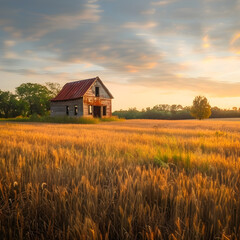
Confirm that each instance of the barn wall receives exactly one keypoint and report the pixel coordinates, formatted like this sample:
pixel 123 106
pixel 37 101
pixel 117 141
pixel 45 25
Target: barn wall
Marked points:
pixel 59 108
pixel 103 100
pixel 102 92
pixel 108 103
pixel 85 109
pixel 97 102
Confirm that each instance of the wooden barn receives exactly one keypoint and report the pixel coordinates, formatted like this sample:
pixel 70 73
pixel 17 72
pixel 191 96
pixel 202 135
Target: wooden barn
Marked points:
pixel 85 98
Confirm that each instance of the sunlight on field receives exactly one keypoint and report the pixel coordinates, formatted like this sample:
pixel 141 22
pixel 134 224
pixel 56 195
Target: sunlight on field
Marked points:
pixel 137 179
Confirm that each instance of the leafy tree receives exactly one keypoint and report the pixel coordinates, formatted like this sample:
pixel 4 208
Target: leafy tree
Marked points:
pixel 217 109
pixel 54 88
pixel 10 106
pixel 4 103
pixel 200 109
pixel 36 97
pixel 175 108
pixel 30 98
pixel 162 107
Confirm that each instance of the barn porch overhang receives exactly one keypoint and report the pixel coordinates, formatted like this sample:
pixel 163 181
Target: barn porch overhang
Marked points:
pixel 95 101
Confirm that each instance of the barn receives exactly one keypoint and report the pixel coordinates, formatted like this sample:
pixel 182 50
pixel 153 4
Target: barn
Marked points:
pixel 84 98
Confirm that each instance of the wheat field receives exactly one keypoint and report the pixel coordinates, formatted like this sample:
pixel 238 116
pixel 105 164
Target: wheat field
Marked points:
pixel 137 179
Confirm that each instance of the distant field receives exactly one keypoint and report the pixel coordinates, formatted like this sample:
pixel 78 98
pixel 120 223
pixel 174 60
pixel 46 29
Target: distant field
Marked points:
pixel 136 179
pixel 223 119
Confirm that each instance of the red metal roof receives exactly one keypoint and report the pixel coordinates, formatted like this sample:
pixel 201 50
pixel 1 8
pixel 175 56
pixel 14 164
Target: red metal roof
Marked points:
pixel 75 90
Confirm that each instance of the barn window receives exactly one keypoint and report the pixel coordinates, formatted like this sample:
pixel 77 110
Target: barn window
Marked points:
pixel 75 110
pixel 104 110
pixel 96 91
pixel 89 109
pixel 67 110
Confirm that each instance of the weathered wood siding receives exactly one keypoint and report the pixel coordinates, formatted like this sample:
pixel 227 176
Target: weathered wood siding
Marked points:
pixel 94 101
pixel 103 100
pixel 59 108
pixel 102 92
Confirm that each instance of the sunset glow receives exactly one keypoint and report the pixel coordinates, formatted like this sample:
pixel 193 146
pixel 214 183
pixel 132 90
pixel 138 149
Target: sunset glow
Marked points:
pixel 147 52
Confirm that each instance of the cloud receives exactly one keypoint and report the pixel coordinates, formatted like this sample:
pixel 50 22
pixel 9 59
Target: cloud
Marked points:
pixel 24 72
pixel 162 3
pixel 205 41
pixel 10 55
pixel 235 43
pixel 32 23
pixel 198 85
pixel 139 25
pixel 149 12
pixel 143 42
pixel 137 68
pixel 9 43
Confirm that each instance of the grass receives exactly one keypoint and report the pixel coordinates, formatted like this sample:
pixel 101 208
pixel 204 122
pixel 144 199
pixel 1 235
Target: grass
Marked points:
pixel 120 180
pixel 65 119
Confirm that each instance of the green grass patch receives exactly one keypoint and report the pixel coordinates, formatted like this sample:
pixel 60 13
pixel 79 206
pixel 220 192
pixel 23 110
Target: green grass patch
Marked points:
pixel 111 119
pixel 65 119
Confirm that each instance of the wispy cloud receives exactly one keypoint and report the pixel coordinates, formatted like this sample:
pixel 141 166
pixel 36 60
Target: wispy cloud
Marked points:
pixel 235 43
pixel 32 24
pixel 9 43
pixel 142 42
pixel 198 85
pixel 139 25
pixel 149 11
pixel 163 2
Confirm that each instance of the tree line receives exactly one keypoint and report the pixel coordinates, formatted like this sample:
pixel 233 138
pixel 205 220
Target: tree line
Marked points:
pixel 34 99
pixel 200 110
pixel 28 99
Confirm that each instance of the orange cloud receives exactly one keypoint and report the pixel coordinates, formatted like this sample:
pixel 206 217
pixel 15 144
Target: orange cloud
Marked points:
pixel 131 68
pixel 235 43
pixel 206 43
pixel 146 66
pixel 235 38
pixel 151 65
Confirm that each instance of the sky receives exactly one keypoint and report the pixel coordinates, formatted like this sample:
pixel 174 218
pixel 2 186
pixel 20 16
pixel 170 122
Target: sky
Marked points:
pixel 147 52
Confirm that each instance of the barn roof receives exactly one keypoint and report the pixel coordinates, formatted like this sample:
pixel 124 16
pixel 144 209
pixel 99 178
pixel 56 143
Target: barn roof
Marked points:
pixel 76 90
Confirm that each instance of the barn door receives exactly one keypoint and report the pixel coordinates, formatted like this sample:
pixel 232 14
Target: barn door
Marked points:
pixel 97 111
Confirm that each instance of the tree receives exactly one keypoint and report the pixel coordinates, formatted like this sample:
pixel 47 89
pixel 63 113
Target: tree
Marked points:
pixel 30 98
pixel 54 88
pixel 174 108
pixel 200 109
pixel 35 96
pixel 10 106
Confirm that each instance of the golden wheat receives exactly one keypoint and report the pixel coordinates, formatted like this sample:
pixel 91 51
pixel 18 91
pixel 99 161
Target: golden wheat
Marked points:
pixel 123 180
